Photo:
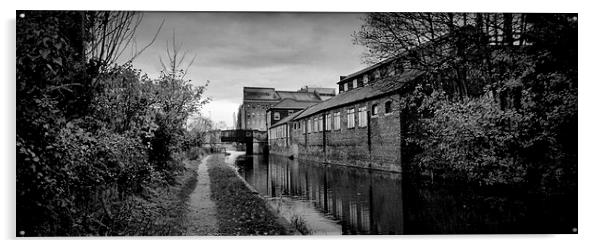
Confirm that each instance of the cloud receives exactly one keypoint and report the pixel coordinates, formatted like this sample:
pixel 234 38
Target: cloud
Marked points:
pixel 236 49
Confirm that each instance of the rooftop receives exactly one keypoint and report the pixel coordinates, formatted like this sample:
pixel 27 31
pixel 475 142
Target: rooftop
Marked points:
pixel 367 69
pixel 298 96
pixel 382 86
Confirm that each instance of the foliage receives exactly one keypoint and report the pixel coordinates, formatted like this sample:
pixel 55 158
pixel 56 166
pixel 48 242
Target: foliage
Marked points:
pixel 93 143
pixel 498 102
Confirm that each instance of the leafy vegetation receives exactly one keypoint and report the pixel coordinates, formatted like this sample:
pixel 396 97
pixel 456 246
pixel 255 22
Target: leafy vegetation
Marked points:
pixel 239 210
pixel 98 144
pixel 498 102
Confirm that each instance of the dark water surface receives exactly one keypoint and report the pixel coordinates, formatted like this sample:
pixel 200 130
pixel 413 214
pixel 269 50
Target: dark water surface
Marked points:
pixel 335 199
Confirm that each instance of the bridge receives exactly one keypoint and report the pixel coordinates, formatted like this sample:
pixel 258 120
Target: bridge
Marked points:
pixel 255 141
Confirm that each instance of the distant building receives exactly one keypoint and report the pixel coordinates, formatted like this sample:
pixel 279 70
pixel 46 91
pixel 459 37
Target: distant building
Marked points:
pixel 252 113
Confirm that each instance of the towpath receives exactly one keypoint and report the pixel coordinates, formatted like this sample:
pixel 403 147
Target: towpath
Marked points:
pixel 202 214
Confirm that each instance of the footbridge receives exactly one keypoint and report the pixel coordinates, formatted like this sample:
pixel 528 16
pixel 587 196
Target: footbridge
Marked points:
pixel 255 141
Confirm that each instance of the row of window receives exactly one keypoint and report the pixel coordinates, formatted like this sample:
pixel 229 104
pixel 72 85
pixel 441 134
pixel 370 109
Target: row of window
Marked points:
pixel 365 78
pixel 333 120
pixel 278 132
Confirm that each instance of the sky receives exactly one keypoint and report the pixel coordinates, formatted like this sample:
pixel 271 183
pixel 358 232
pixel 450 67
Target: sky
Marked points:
pixel 285 51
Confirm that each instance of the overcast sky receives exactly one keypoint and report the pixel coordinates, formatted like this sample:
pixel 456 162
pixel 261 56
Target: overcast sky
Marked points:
pixel 281 50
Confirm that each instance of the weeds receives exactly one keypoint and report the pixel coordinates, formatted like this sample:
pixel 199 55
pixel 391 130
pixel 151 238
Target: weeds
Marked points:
pixel 239 210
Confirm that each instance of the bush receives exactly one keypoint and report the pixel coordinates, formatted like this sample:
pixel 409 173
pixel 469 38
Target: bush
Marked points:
pixel 93 143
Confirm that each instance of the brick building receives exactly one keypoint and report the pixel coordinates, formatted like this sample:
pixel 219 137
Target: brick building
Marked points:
pixel 358 127
pixel 252 113
pixel 285 108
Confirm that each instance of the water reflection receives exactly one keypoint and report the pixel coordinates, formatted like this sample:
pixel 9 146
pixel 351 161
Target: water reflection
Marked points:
pixel 372 202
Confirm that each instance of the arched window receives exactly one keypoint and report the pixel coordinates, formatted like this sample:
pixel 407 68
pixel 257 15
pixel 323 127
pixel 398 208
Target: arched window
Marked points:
pixel 388 107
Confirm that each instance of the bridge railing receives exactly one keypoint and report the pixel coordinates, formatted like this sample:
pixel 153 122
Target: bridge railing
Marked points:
pixel 243 135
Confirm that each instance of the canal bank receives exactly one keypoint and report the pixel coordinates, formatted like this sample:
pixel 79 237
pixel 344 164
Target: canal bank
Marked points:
pixel 240 211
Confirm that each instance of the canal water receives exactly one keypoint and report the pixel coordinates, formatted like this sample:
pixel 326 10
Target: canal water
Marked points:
pixel 329 199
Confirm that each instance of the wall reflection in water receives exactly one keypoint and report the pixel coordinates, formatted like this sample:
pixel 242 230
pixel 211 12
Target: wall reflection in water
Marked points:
pixel 365 202
pixel 372 202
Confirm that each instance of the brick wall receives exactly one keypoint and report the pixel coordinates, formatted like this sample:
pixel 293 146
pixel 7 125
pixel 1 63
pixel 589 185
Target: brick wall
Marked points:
pixel 350 146
pixel 254 115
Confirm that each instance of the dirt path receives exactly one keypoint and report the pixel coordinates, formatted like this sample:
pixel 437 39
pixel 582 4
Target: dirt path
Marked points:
pixel 202 215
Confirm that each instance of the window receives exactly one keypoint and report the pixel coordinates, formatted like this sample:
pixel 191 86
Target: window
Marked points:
pixel 388 107
pixel 337 120
pixel 362 117
pixel 315 124
pixel 345 87
pixel 320 123
pixel 328 122
pixel 354 83
pixel 308 125
pixel 375 110
pixel 276 116
pixel 290 112
pixel 365 79
pixel 377 73
pixel 350 118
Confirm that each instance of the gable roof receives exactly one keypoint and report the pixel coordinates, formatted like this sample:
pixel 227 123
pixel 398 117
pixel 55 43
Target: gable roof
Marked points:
pixel 382 86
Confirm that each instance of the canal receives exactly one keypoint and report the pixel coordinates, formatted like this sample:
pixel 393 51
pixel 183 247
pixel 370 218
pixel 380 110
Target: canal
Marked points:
pixel 330 199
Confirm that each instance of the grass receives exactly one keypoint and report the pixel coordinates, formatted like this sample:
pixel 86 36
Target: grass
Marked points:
pixel 299 223
pixel 162 210
pixel 239 210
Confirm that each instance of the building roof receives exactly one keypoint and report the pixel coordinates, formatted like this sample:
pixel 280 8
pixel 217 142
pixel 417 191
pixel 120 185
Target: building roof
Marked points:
pixel 259 94
pixel 293 104
pixel 367 69
pixel 319 90
pixel 299 96
pixel 254 94
pixel 379 87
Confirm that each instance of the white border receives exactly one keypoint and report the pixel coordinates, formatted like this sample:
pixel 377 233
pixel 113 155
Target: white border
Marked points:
pixel 589 89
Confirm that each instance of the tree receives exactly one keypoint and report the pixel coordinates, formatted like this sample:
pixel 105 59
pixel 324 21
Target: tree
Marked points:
pixel 178 99
pixel 456 49
pixel 111 34
pixel 93 138
pixel 498 103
